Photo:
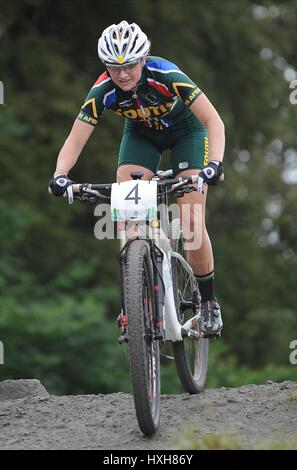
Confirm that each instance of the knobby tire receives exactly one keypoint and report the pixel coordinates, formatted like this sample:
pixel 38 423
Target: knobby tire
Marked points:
pixel 143 349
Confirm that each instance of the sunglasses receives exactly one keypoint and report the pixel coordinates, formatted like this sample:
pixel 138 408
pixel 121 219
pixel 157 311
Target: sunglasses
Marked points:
pixel 126 68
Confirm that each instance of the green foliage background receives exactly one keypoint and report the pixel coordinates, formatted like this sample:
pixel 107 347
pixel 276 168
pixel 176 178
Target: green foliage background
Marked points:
pixel 59 286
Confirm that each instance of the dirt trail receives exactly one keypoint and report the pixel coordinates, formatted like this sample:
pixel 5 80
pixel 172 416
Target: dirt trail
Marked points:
pixel 254 413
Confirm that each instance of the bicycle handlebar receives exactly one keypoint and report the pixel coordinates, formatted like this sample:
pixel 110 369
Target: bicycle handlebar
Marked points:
pixel 175 183
pixel 167 182
pixel 93 190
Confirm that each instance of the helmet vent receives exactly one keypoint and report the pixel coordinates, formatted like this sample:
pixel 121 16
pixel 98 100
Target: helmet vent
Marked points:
pixel 140 48
pixel 107 46
pixel 133 44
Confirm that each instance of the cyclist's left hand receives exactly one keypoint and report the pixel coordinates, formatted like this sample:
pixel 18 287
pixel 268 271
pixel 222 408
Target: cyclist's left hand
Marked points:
pixel 210 174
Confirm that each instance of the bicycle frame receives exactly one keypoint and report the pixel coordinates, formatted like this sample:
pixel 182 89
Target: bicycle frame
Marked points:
pixel 157 234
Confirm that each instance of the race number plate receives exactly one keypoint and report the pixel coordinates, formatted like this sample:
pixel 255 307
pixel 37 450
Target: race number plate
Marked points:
pixel 134 200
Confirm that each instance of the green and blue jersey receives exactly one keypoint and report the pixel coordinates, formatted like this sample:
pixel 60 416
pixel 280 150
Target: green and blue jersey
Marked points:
pixel 162 98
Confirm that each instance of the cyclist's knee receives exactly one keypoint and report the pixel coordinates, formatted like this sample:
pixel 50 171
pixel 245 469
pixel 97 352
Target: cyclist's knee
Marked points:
pixel 193 204
pixel 124 172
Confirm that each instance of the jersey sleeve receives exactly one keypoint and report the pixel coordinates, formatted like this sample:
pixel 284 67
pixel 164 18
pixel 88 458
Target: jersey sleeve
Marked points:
pixel 176 81
pixel 95 102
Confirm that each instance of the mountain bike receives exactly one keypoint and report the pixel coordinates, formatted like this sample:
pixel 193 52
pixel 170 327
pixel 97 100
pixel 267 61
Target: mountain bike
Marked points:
pixel 160 299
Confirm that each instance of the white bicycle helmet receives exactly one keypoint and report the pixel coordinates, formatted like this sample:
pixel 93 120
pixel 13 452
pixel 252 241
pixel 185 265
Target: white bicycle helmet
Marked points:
pixel 122 44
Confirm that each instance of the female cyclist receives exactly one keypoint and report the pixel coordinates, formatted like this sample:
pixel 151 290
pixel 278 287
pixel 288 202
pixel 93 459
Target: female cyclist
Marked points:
pixel 164 109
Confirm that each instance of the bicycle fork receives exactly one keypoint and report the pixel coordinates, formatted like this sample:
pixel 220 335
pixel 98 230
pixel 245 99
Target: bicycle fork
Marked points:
pixel 158 293
pixel 157 257
pixel 123 318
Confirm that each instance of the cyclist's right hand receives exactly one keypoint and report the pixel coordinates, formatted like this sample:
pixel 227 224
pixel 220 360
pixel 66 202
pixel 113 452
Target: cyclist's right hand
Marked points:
pixel 61 185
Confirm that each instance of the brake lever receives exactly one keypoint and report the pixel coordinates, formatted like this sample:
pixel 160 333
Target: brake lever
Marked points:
pixel 182 191
pixel 91 195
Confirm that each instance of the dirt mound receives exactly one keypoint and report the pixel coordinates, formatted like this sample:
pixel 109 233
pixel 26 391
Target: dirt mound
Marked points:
pixel 254 413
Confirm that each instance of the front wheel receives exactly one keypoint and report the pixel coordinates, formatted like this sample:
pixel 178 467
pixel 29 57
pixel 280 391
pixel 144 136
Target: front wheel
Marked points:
pixel 191 355
pixel 143 348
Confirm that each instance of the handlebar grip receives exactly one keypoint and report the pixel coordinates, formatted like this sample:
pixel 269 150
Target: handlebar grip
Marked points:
pixel 75 187
pixel 195 178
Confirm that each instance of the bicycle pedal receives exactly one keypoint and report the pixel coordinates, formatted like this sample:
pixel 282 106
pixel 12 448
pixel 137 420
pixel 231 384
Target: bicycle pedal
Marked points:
pixel 189 333
pixel 212 336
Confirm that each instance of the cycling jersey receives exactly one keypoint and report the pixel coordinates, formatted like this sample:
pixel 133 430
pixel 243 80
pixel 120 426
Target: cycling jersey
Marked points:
pixel 161 100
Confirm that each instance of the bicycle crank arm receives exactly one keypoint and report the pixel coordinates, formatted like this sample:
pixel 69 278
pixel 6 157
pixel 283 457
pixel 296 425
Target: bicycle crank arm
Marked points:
pixel 188 333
